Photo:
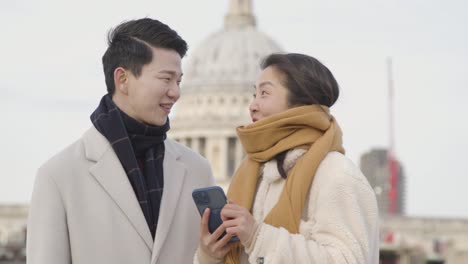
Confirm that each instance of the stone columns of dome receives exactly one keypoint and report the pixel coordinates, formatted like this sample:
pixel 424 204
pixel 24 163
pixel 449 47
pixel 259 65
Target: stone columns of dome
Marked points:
pixel 4 235
pixel 216 151
pixel 196 144
pixel 182 141
pixel 202 146
pixel 224 157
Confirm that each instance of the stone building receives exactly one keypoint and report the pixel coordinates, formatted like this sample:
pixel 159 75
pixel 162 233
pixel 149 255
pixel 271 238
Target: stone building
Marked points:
pixel 12 232
pixel 218 87
pixel 417 240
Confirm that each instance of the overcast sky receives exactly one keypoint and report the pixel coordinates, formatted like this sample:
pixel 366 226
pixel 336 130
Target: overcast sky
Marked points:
pixel 51 78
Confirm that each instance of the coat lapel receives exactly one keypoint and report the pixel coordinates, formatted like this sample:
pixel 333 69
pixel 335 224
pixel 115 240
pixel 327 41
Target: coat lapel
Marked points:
pixel 174 174
pixel 109 172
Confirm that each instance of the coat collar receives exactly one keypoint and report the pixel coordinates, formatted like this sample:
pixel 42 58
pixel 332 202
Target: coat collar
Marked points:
pixel 174 176
pixel 109 172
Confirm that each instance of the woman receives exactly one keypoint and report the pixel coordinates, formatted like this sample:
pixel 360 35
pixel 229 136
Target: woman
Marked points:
pixel 296 198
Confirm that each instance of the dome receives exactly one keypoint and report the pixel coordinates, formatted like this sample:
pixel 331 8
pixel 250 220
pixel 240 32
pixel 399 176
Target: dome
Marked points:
pixel 226 58
pixel 231 56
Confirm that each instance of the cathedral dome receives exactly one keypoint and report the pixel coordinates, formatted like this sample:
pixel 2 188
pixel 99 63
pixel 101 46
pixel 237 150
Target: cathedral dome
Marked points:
pixel 218 80
pixel 231 56
pixel 228 57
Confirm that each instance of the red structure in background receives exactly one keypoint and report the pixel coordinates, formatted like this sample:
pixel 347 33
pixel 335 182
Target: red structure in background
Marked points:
pixel 393 166
pixel 394 179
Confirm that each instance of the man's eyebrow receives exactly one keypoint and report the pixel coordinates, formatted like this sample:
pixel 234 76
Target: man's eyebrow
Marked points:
pixel 170 72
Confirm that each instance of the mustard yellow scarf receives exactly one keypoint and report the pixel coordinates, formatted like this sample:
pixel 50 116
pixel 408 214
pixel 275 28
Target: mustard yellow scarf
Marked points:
pixel 311 127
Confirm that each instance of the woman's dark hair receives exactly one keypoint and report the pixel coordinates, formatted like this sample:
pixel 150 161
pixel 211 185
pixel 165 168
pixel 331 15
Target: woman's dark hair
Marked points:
pixel 129 46
pixel 308 82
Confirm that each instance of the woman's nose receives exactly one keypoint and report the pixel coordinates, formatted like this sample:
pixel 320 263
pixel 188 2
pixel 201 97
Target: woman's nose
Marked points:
pixel 253 107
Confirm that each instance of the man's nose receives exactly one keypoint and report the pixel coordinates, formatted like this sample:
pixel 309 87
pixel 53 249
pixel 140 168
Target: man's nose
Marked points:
pixel 174 92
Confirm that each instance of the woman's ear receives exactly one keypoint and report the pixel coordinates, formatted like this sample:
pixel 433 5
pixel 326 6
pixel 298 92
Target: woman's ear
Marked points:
pixel 121 80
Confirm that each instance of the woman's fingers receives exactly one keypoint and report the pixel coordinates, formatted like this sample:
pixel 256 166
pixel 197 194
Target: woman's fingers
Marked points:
pixel 218 232
pixel 232 211
pixel 238 221
pixel 229 209
pixel 204 222
pixel 223 241
pixel 209 241
pixel 227 248
pixel 232 226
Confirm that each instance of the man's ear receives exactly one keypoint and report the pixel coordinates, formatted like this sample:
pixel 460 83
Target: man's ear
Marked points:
pixel 121 80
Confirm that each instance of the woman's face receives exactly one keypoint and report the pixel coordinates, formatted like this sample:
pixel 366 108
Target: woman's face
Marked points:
pixel 270 96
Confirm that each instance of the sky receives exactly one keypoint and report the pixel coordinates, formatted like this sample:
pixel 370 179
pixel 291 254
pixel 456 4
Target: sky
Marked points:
pixel 51 78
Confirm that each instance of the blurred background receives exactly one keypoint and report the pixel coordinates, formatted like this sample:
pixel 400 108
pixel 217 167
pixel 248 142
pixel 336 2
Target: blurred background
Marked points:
pixel 402 67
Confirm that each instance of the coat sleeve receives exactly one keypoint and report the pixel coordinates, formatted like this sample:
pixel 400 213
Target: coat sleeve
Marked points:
pixel 342 227
pixel 47 232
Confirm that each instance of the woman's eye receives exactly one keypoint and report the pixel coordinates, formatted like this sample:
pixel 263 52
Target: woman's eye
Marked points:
pixel 263 93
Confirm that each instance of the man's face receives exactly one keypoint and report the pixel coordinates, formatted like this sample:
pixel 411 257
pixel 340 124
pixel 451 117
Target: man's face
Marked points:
pixel 151 95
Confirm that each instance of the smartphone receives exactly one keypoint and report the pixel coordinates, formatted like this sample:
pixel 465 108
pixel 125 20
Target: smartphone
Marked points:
pixel 214 198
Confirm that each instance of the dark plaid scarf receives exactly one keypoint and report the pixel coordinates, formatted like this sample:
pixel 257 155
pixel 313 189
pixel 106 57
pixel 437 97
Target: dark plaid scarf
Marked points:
pixel 133 141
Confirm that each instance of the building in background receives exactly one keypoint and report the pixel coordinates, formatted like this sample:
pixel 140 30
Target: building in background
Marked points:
pixel 13 233
pixel 375 166
pixel 217 89
pixel 415 240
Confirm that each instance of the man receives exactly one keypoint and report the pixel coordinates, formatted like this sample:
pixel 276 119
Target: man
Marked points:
pixel 122 192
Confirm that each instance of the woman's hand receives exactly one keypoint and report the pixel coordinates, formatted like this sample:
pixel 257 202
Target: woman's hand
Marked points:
pixel 238 221
pixel 209 243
